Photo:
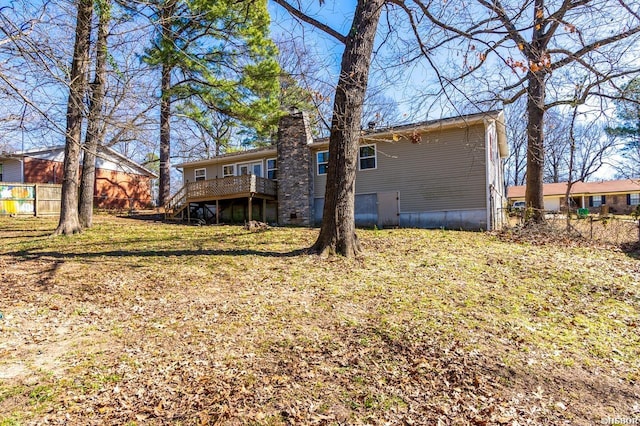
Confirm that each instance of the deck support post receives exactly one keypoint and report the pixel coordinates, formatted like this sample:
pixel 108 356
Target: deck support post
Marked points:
pixel 264 210
pixel 217 212
pixel 249 213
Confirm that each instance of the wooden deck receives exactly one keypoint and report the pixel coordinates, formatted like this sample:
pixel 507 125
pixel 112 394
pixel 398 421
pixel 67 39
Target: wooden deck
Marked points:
pixel 245 186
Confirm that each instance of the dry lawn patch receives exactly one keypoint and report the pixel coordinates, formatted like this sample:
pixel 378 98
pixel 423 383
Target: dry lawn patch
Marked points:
pixel 148 323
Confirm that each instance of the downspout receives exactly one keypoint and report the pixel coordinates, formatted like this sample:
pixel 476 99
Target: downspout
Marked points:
pixel 487 160
pixel 21 160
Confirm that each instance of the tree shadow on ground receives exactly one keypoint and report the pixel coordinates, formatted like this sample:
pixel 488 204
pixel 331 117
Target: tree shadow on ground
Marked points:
pixel 631 249
pixel 34 254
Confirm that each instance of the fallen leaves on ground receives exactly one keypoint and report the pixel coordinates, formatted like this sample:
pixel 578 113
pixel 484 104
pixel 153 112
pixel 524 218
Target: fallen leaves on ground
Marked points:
pixel 150 324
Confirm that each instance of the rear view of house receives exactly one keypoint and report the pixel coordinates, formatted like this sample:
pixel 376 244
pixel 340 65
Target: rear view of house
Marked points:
pixel 441 173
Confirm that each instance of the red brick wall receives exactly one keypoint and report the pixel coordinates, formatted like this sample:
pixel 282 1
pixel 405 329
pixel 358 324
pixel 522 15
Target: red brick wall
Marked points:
pixel 113 190
pixel 617 204
pixel 42 171
pixel 118 190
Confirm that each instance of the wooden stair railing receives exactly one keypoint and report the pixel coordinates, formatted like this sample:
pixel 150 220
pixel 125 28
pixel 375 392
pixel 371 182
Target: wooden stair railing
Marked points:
pixel 176 203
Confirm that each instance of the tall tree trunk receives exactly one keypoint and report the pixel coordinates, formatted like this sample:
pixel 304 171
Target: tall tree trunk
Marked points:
pixel 95 126
pixel 337 234
pixel 165 105
pixel 536 90
pixel 165 136
pixel 535 147
pixel 69 223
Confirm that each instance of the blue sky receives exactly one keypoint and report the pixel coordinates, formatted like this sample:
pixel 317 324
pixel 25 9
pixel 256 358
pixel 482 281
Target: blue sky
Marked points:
pixel 400 84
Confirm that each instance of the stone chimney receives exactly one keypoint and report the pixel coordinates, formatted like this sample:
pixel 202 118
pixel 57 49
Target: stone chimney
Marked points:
pixel 295 172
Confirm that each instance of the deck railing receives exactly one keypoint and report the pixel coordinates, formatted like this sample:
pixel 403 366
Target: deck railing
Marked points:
pixel 230 186
pixel 227 187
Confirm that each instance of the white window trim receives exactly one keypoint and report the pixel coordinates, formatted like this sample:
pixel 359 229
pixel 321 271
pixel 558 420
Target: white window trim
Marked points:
pixel 318 163
pixel 250 164
pixel 375 157
pixel 233 172
pixel 267 169
pixel 195 174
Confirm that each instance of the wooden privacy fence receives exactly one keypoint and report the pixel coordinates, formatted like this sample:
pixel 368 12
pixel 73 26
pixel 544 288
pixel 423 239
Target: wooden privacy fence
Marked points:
pixel 30 199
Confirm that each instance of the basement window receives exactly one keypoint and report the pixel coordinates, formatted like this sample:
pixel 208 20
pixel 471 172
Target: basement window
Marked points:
pixel 201 174
pixel 323 161
pixel 367 156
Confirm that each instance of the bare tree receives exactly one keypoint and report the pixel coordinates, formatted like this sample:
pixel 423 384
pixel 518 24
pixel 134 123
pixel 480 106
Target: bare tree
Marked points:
pixel 95 127
pixel 69 223
pixel 556 130
pixel 550 49
pixel 33 74
pixel 516 162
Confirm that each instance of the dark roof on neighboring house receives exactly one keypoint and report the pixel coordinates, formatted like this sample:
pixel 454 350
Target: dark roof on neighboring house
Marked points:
pixel 581 188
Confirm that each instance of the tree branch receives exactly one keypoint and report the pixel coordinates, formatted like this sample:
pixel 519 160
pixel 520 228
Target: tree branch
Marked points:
pixel 309 20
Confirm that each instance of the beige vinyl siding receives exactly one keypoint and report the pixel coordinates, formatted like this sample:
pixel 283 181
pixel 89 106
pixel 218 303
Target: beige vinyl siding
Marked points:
pixel 214 165
pixel 446 171
pixel 213 171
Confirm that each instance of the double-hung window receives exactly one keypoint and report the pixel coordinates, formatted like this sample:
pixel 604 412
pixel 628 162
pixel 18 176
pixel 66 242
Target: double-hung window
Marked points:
pixel 597 200
pixel 229 170
pixel 322 158
pixel 201 174
pixel 367 157
pixel 272 169
pixel 632 199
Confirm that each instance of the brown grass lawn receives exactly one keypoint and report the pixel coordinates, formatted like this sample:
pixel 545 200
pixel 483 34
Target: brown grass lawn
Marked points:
pixel 138 323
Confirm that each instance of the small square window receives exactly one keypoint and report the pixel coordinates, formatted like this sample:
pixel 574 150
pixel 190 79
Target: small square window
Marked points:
pixel 634 199
pixel 229 170
pixel 367 157
pixel 201 174
pixel 323 162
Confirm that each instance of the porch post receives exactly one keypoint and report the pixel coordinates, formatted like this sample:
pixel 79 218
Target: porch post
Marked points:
pixel 264 210
pixel 217 212
pixel 250 209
